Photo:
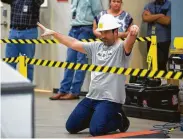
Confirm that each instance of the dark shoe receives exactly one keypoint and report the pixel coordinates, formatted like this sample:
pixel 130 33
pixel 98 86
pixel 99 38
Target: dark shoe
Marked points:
pixel 69 97
pixel 57 96
pixel 125 123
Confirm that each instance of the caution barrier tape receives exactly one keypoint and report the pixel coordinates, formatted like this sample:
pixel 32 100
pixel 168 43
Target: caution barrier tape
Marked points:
pixel 29 41
pixel 54 41
pixel 11 60
pixel 104 69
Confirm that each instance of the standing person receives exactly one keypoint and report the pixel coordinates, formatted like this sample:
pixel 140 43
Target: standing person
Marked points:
pixel 24 18
pixel 101 110
pixel 124 18
pixel 158 14
pixel 83 13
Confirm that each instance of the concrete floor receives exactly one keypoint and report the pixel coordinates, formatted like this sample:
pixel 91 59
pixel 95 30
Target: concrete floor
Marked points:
pixel 50 118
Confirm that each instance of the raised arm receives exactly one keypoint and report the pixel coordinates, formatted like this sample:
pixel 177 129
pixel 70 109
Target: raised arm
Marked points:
pixel 131 38
pixel 65 40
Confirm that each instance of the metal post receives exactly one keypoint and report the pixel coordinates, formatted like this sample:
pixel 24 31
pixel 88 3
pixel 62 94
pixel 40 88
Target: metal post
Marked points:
pixel 152 58
pixel 23 66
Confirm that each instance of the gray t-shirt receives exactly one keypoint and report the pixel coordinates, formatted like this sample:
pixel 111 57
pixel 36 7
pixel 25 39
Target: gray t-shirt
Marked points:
pixel 105 86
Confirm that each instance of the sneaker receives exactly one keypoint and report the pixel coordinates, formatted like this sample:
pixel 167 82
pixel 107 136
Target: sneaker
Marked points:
pixel 125 122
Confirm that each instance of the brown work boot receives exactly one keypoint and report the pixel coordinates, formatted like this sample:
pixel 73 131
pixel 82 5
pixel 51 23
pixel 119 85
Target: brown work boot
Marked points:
pixel 69 96
pixel 57 96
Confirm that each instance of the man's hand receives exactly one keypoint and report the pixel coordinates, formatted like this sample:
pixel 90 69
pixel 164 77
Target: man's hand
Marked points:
pixel 47 32
pixel 131 38
pixel 65 40
pixel 134 30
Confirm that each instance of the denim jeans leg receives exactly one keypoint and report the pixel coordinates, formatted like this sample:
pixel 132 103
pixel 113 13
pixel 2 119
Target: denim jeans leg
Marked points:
pixel 80 117
pixel 105 118
pixel 68 74
pixel 79 75
pixel 11 50
pixel 84 33
pixel 28 49
pixel 65 84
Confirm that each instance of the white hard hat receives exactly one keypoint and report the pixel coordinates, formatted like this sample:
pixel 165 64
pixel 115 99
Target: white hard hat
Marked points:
pixel 107 22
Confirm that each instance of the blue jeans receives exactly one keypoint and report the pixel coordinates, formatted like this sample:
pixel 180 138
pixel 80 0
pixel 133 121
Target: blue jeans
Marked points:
pixel 13 50
pixel 101 117
pixel 73 80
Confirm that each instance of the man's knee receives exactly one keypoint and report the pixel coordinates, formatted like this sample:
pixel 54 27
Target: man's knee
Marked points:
pixel 71 128
pixel 97 131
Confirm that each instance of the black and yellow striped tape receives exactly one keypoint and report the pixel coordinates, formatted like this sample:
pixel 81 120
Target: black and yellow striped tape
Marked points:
pixel 30 41
pixel 11 60
pixel 54 41
pixel 104 69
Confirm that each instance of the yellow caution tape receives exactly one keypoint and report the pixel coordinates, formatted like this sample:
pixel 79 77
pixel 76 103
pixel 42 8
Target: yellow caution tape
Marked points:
pixel 105 69
pixel 54 41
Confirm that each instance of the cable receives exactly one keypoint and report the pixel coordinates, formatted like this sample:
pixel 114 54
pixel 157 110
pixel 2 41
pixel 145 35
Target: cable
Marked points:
pixel 167 128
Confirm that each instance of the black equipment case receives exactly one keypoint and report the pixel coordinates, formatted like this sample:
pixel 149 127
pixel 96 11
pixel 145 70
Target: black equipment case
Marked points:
pixel 161 97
